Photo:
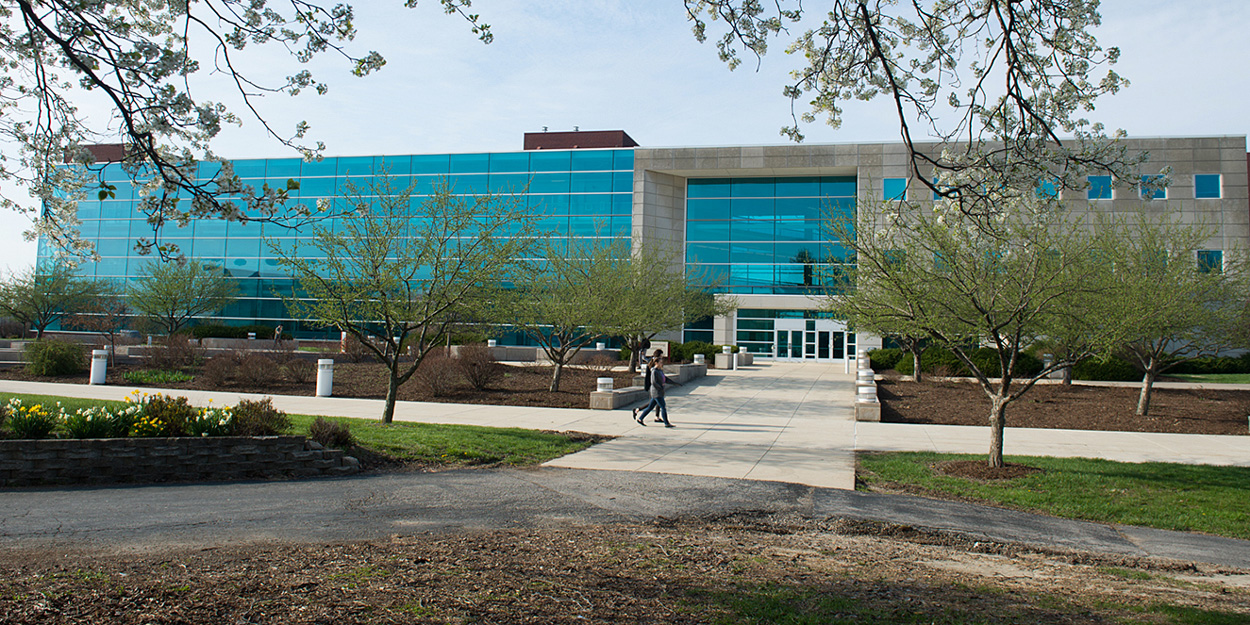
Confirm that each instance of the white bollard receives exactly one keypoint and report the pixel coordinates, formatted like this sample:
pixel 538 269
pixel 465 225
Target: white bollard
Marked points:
pixel 99 365
pixel 698 359
pixel 492 343
pixel 251 336
pixel 325 377
pixel 601 346
pixel 726 349
pixel 867 393
pixel 603 384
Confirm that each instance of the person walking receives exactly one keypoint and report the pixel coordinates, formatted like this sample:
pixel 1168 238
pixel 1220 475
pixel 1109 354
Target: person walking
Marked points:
pixel 659 381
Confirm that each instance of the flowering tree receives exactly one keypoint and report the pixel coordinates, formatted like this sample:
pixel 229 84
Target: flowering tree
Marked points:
pixel 140 58
pixel 995 82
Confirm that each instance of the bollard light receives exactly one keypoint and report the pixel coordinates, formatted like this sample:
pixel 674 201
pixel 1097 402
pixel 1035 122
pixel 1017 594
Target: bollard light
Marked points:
pixel 603 384
pixel 325 377
pixel 492 343
pixel 698 359
pixel 99 365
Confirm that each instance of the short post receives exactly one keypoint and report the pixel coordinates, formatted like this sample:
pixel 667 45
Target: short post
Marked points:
pixel 343 343
pixel 325 377
pixel 698 359
pixel 601 346
pixel 99 365
pixel 251 336
pixel 603 385
pixel 492 343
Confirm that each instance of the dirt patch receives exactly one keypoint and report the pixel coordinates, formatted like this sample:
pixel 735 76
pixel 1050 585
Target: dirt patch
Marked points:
pixel 982 472
pixel 1076 407
pixel 519 385
pixel 678 571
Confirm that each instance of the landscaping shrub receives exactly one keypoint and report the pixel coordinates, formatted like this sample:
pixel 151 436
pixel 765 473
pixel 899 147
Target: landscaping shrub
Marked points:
pixel 330 433
pixel 212 422
pixel 219 369
pixel 10 329
pixel 943 362
pixel 300 370
pixel 174 352
pixel 885 359
pixel 32 422
pixel 1214 364
pixel 257 370
pixel 683 352
pixel 156 376
pixel 164 416
pixel 53 357
pixel 259 418
pixel 1113 369
pixel 478 366
pixel 437 374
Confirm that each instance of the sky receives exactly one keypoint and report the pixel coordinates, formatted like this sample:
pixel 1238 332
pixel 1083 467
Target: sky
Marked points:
pixel 633 65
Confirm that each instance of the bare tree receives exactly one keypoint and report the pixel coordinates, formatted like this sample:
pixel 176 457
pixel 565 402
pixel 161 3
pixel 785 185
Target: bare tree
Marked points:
pixel 40 297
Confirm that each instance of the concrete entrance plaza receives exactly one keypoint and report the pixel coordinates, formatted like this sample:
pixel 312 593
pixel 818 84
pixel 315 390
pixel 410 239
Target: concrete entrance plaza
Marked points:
pixel 787 422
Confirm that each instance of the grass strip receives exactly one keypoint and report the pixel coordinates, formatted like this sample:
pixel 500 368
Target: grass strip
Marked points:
pixel 1195 498
pixel 1214 378
pixel 423 443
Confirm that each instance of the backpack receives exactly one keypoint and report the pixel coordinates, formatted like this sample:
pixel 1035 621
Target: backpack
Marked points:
pixel 646 378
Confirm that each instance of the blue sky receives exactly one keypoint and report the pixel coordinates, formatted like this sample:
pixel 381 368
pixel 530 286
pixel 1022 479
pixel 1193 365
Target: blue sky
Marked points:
pixel 633 65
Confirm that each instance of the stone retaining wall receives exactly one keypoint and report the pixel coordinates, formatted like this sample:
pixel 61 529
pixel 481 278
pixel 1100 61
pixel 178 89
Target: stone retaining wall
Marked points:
pixel 110 460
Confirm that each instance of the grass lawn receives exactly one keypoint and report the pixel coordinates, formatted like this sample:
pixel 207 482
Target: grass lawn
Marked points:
pixel 423 443
pixel 1214 378
pixel 1198 498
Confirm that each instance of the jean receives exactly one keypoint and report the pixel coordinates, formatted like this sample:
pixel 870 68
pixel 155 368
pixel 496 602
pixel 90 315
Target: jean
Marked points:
pixel 662 413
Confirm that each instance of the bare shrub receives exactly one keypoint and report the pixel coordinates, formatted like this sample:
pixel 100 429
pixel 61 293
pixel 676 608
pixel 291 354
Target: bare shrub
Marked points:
pixel 438 375
pixel 300 370
pixel 355 351
pixel 478 365
pixel 330 433
pixel 219 369
pixel 10 329
pixel 258 370
pixel 174 352
pixel 942 371
pixel 600 364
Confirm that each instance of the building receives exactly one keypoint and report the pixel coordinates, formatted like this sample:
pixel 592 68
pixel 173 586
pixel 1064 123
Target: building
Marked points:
pixel 751 217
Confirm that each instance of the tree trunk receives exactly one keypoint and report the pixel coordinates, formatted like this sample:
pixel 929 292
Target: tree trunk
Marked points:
pixel 998 422
pixel 1066 380
pixel 916 375
pixel 555 375
pixel 1147 386
pixel 392 390
pixel 635 350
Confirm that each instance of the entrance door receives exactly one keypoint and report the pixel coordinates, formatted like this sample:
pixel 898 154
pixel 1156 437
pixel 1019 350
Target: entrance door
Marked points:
pixel 810 339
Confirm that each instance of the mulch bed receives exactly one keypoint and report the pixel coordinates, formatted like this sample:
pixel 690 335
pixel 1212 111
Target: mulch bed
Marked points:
pixel 982 472
pixel 1076 407
pixel 519 386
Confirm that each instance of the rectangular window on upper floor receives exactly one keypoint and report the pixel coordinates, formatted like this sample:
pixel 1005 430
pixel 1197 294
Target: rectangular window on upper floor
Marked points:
pixel 1048 188
pixel 1153 187
pixel 1211 261
pixel 894 189
pixel 1099 188
pixel 1207 186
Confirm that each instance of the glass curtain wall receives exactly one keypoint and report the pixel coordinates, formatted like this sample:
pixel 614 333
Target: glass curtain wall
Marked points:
pixel 576 193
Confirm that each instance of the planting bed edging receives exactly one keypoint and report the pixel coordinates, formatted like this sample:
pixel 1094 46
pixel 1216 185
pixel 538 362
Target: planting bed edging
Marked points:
pixel 189 458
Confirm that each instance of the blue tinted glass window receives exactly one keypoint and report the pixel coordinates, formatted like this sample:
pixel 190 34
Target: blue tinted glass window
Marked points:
pixel 88 209
pixel 800 253
pixel 752 231
pixel 752 208
pixel 393 165
pixel 589 226
pixel 205 170
pixel 549 204
pixel 89 228
pixel 111 267
pixel 591 182
pixel 431 164
pixel 623 181
pixel 808 230
pixel 798 208
pixel 1048 188
pixel 1099 188
pixel 798 187
pixel 751 253
pixel 428 184
pixel 209 227
pixel 1207 186
pixel 242 247
pixel 113 247
pixel 244 268
pixel 318 187
pixel 138 229
pixel 470 163
pixel 252 168
pixel 553 225
pixel 549 161
pixel 623 159
pixel 469 184
pixel 707 187
pixel 894 189
pixel 111 228
pixel 590 205
pixel 355 166
pixel 1151 188
pixel 751 275
pixel 753 187
pixel 115 210
pixel 242 229
pixel 622 205
pixel 838 186
pixel 550 183
pixel 509 183
pixel 1211 261
pixel 208 248
pixel 707 231
pixel 323 167
pixel 707 209
pixel 622 226
pixel 592 160
pixel 707 253
pixel 510 162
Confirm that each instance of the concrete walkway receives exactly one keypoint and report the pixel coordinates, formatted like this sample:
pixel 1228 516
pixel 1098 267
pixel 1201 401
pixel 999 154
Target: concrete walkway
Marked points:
pixel 787 422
